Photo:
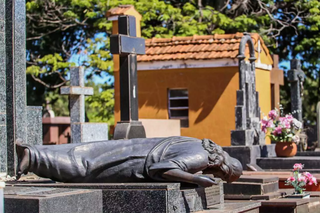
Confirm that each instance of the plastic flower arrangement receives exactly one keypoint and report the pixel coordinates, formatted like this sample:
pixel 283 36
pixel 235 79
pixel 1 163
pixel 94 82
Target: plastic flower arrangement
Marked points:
pixel 281 129
pixel 300 180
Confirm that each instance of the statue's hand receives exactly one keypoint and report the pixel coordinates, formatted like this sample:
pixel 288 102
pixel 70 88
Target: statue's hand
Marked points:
pixel 205 181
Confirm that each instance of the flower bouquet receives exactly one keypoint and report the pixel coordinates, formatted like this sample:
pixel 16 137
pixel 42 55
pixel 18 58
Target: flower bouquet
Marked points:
pixel 284 129
pixel 300 180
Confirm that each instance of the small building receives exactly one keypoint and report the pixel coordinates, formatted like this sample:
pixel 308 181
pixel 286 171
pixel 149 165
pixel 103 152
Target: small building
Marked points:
pixel 195 79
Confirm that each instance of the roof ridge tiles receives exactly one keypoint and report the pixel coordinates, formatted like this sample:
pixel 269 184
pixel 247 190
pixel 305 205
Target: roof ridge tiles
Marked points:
pixel 196 47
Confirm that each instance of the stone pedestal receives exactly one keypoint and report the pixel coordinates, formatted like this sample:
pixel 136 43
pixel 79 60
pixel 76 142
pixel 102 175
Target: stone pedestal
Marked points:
pixel 148 197
pixel 252 188
pixel 127 130
pixel 88 132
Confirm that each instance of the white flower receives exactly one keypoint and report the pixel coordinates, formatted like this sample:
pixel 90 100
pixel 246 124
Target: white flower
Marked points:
pixel 296 138
pixel 296 124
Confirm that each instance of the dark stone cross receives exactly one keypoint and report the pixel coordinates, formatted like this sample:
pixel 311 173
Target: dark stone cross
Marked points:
pixel 247 110
pixel 127 45
pixel 296 77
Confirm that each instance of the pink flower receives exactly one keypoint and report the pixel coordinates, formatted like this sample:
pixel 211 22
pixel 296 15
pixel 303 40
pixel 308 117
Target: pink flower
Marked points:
pixel 284 122
pixel 291 179
pixel 289 118
pixel 264 129
pixel 307 174
pixel 297 166
pixel 302 179
pixel 273 114
pixel 266 123
pixel 277 130
pixel 313 180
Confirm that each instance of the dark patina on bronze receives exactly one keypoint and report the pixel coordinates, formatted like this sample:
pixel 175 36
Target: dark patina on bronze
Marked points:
pixel 134 160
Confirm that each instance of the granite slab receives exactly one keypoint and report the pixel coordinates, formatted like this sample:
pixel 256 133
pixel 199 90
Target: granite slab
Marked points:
pixel 234 207
pixel 286 205
pixel 147 197
pixel 258 178
pixel 51 200
pixel 243 188
pixel 310 162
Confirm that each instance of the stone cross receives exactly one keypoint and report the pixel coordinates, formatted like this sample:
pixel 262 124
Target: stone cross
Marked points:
pixel 276 79
pixel 127 45
pixel 296 77
pixel 77 92
pixel 17 121
pixel 80 130
pixel 247 110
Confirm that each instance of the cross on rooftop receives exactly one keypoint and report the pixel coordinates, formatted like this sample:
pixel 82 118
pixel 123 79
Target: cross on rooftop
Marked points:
pixel 77 92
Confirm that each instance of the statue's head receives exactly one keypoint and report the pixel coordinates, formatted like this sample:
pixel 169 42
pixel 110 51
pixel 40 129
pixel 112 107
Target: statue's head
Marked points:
pixel 220 163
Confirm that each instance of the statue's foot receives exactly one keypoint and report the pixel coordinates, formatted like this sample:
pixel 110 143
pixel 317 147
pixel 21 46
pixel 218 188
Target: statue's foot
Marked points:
pixel 23 154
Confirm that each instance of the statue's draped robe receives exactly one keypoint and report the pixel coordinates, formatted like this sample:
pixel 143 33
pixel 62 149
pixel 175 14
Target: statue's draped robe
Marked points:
pixel 132 160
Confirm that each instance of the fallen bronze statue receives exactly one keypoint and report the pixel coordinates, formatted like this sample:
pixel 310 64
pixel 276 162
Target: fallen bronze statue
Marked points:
pixel 134 160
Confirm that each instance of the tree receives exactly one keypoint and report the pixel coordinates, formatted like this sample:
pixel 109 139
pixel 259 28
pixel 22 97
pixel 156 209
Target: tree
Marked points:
pixel 58 30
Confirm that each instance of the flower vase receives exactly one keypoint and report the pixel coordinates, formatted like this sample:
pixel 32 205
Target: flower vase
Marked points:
pixel 286 149
pixel 302 196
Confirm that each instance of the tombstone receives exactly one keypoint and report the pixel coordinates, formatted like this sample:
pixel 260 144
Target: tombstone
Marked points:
pixel 82 131
pixel 247 110
pixel 296 77
pixel 16 119
pixel 318 123
pixel 127 45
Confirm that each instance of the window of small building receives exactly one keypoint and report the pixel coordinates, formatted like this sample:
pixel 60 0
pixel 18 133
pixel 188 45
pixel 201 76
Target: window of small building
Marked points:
pixel 179 106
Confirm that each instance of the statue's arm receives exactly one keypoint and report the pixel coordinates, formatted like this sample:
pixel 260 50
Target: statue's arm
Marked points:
pixel 182 176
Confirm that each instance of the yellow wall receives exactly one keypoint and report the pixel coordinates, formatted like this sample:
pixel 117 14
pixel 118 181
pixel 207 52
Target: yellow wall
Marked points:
pixel 212 98
pixel 264 88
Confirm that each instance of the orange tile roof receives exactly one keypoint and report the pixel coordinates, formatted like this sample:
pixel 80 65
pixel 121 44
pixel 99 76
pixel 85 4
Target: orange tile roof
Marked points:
pixel 196 47
pixel 120 10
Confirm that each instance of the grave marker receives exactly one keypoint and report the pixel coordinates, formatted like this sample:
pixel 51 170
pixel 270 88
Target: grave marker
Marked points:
pixel 80 130
pixel 296 77
pixel 16 119
pixel 127 45
pixel 318 124
pixel 3 104
pixel 247 110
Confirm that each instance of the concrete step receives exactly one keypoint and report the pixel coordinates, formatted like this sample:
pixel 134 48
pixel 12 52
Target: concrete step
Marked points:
pixel 243 188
